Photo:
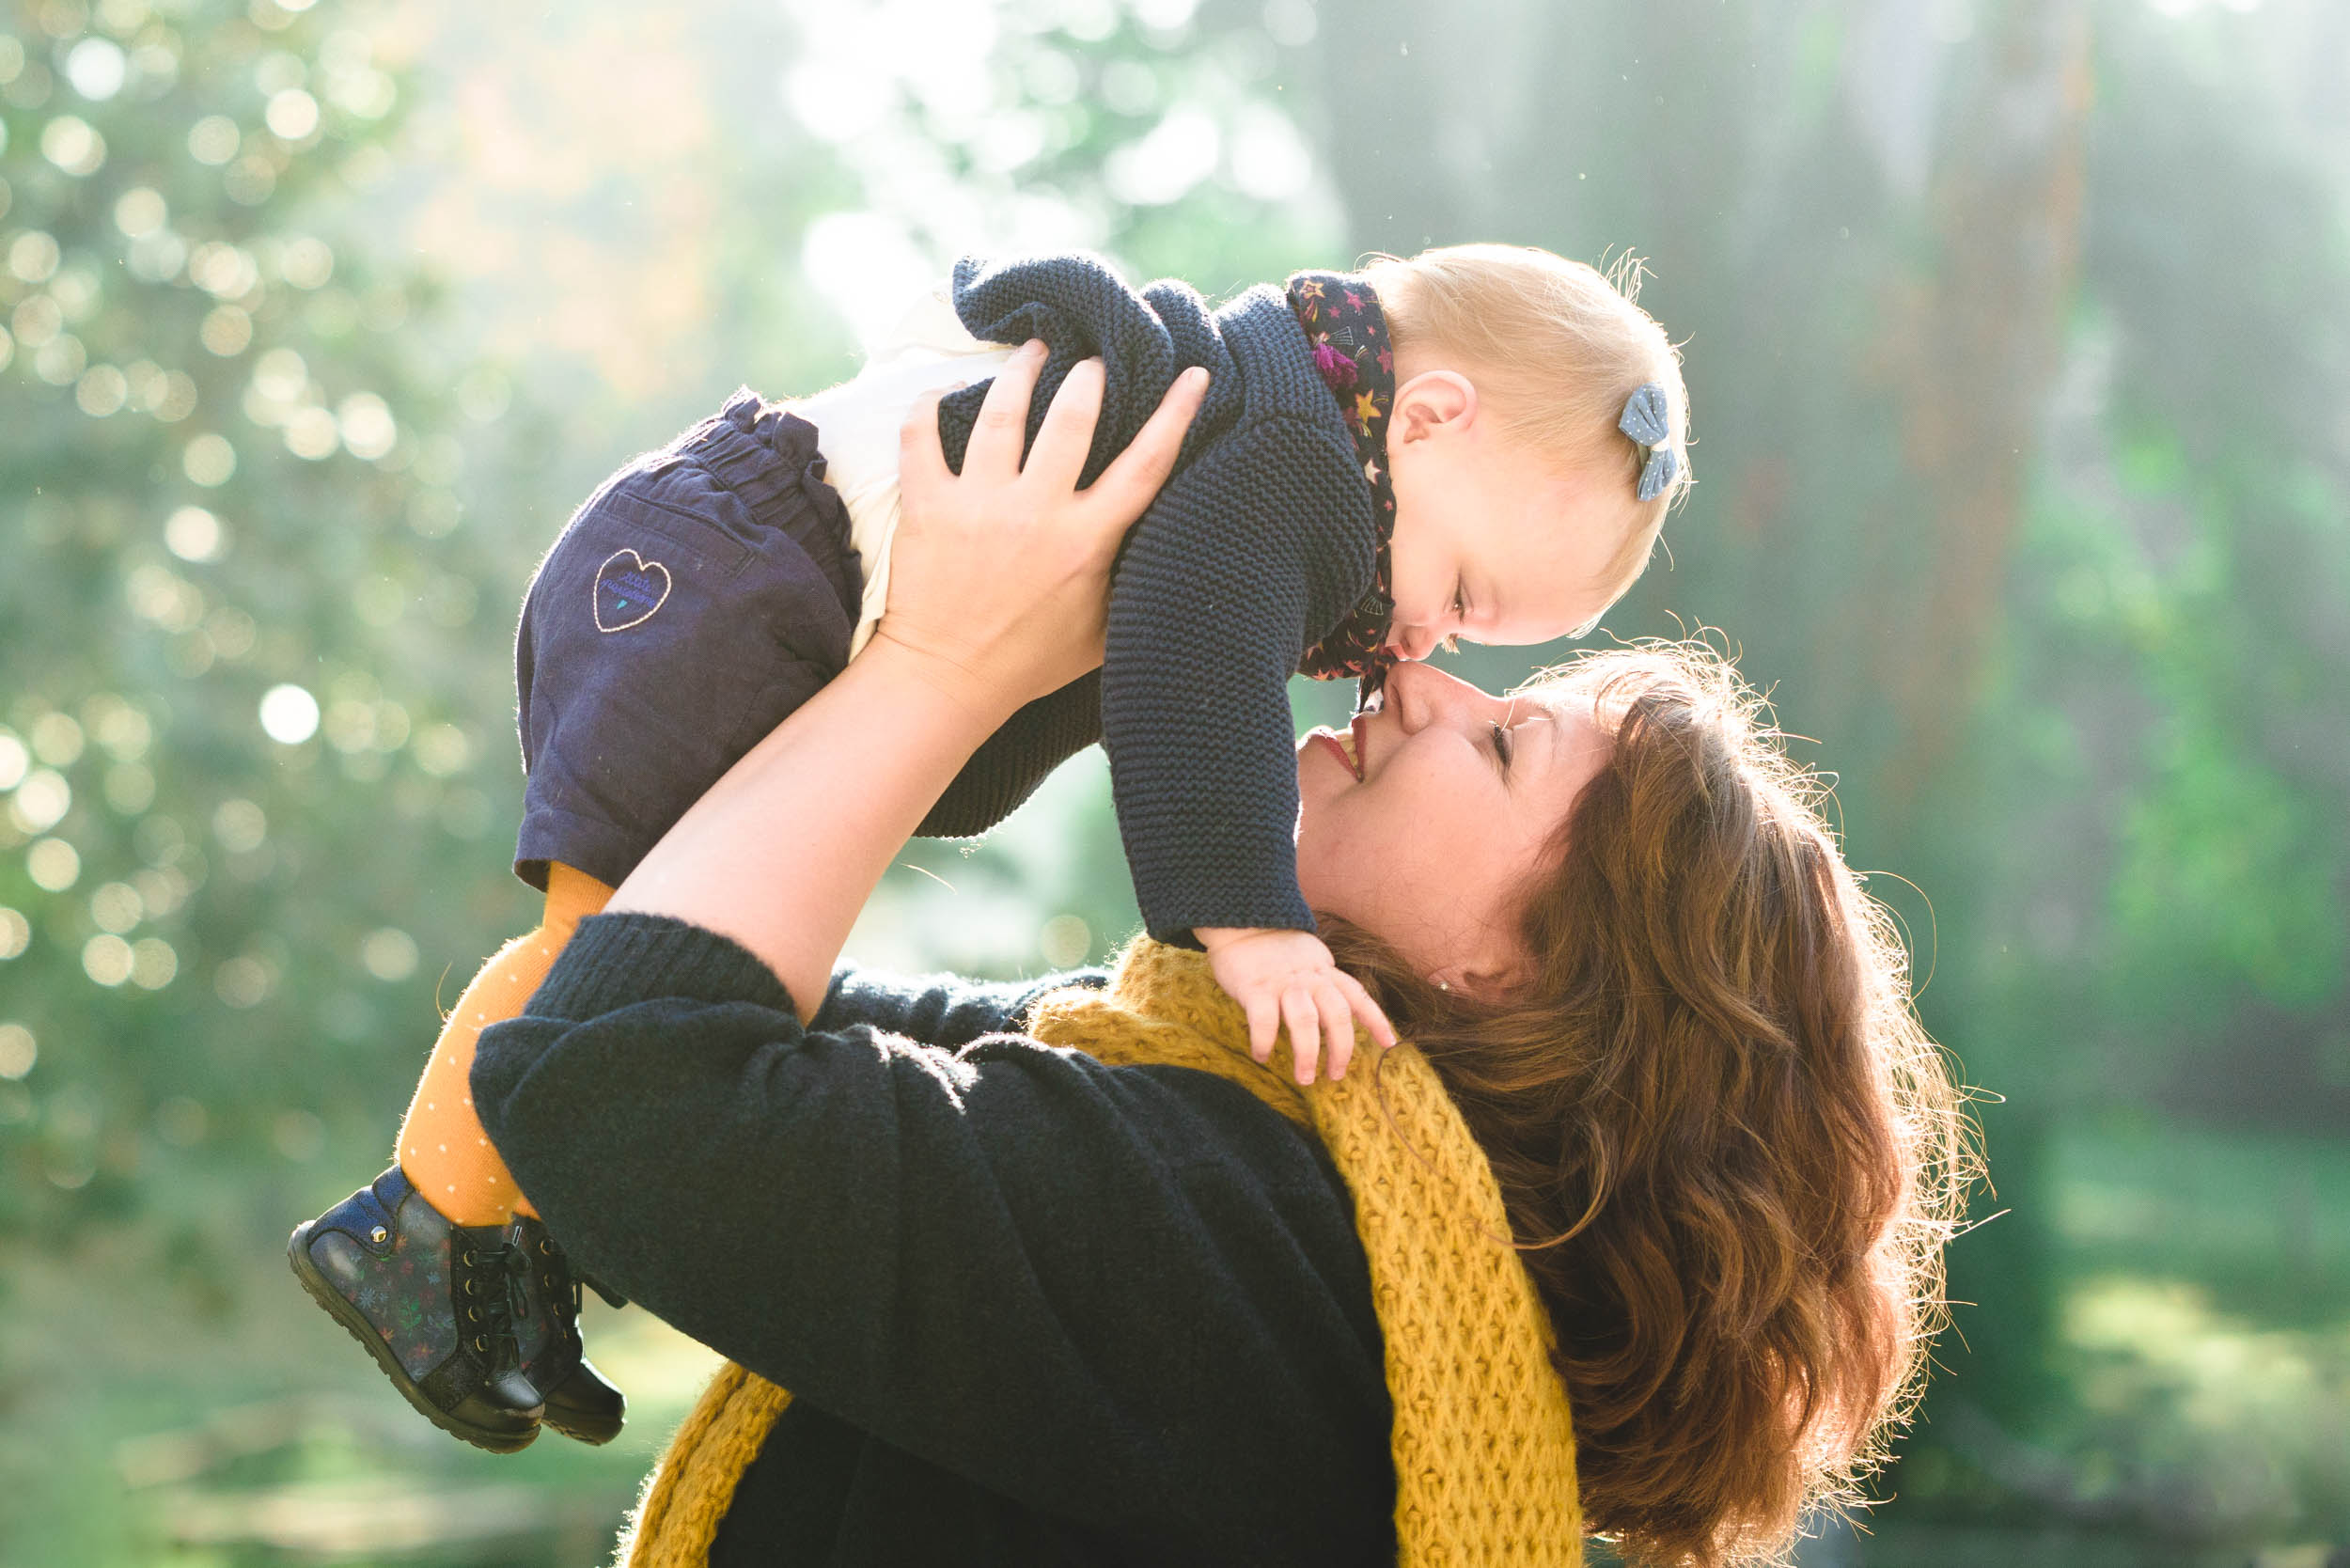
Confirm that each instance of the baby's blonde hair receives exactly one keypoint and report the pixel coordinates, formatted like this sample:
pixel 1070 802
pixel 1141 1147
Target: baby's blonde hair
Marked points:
pixel 1554 348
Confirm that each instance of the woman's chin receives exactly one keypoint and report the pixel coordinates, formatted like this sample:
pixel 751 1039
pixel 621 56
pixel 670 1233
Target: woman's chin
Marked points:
pixel 1319 777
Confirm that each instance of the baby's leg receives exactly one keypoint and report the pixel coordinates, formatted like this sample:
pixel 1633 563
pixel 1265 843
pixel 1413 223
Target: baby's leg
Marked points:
pixel 441 1148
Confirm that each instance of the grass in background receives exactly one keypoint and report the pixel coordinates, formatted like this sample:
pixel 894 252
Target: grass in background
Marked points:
pixel 2200 1361
pixel 169 1398
pixel 157 1412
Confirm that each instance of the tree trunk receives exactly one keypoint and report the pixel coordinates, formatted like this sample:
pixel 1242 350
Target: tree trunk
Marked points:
pixel 2006 211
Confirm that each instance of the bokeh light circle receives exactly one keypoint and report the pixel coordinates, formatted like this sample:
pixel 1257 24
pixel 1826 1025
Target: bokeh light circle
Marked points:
pixel 18 1051
pixel 208 461
pixel 289 714
pixel 106 959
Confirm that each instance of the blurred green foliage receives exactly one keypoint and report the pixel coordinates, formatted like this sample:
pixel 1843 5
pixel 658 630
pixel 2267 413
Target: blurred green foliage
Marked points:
pixel 229 470
pixel 2018 344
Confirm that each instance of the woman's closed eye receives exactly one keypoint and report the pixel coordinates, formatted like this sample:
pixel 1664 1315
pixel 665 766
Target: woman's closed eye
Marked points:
pixel 1501 746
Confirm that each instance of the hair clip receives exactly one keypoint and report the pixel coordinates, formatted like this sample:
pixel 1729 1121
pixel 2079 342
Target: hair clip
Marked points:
pixel 1647 420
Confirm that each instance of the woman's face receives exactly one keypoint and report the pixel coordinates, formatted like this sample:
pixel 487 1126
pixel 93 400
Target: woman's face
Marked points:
pixel 1426 837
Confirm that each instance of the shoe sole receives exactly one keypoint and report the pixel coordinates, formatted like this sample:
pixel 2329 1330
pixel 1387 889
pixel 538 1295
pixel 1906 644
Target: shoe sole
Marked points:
pixel 593 1436
pixel 339 1307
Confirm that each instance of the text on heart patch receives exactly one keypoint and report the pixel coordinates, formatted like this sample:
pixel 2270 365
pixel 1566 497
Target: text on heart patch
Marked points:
pixel 628 589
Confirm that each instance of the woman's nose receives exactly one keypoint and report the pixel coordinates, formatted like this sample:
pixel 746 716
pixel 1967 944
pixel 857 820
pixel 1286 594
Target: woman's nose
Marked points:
pixel 1422 695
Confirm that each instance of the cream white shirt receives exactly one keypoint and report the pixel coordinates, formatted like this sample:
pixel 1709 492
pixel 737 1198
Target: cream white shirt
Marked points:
pixel 857 424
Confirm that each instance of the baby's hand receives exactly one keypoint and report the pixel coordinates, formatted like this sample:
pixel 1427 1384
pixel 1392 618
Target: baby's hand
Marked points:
pixel 1288 976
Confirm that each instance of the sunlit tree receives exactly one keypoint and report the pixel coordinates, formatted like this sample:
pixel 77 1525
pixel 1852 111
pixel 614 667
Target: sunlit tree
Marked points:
pixel 247 702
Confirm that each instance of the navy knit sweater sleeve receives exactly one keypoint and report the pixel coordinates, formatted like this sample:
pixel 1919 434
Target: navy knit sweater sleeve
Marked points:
pixel 1198 727
pixel 1122 1308
pixel 1256 548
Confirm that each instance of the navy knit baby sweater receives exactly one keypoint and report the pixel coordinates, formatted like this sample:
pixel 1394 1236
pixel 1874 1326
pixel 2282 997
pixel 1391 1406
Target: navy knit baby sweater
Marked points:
pixel 1255 550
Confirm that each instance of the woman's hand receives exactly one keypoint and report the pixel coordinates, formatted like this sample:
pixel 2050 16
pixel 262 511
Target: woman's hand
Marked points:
pixel 998 594
pixel 999 577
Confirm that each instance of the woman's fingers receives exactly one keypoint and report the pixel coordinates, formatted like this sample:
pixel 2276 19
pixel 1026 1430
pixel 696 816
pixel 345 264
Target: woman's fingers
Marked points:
pixel 1067 435
pixel 921 460
pixel 1002 427
pixel 1127 485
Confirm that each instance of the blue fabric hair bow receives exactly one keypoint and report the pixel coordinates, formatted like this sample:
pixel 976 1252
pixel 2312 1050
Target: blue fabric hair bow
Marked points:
pixel 1647 420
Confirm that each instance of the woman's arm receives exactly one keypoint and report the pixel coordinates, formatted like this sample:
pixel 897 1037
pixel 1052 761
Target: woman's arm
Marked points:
pixel 1131 1298
pixel 1047 1276
pixel 996 596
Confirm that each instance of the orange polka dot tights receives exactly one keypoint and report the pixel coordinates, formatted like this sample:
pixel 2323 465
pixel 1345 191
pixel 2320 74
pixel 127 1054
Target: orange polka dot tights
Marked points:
pixel 442 1147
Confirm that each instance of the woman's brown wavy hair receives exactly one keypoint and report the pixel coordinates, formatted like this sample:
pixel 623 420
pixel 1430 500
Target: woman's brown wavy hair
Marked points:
pixel 1729 1153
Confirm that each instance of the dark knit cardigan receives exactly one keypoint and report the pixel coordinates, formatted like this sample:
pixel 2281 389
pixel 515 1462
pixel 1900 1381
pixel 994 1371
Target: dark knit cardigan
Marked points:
pixel 1255 550
pixel 1033 1310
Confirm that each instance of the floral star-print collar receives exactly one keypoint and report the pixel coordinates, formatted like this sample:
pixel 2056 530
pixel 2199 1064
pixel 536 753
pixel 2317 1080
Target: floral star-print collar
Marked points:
pixel 1355 357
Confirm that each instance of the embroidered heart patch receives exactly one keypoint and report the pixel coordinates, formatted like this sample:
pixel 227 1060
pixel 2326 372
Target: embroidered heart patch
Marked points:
pixel 628 588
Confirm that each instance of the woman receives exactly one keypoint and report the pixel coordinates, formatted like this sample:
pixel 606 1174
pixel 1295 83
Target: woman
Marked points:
pixel 1037 1307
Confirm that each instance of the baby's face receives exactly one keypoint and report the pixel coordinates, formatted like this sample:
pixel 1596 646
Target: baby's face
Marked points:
pixel 1496 544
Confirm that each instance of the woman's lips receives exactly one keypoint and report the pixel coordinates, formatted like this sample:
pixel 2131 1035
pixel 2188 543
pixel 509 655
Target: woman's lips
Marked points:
pixel 1344 748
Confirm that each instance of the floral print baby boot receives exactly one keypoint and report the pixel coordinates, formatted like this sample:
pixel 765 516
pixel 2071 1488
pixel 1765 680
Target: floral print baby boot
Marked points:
pixel 580 1404
pixel 435 1304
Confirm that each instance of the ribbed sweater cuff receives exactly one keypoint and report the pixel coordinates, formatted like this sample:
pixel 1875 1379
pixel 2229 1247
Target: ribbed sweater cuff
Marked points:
pixel 617 961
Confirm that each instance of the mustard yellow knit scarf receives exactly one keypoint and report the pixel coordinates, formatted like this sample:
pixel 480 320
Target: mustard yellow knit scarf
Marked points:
pixel 1484 1451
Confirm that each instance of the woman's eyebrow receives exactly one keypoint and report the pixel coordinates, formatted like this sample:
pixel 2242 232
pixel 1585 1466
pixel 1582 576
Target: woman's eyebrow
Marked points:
pixel 1546 720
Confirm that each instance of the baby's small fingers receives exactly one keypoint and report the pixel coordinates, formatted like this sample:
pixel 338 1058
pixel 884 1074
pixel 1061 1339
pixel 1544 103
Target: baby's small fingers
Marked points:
pixel 1265 1022
pixel 1297 1011
pixel 1367 1012
pixel 1338 1028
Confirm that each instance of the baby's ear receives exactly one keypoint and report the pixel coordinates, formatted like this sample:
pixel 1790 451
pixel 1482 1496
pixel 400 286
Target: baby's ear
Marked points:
pixel 1435 397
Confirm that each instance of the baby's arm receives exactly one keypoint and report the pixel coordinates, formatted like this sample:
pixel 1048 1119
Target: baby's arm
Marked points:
pixel 1208 616
pixel 1287 979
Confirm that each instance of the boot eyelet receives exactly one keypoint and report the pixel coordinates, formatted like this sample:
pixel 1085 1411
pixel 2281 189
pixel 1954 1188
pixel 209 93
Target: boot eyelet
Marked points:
pixel 469 1257
pixel 378 1234
pixel 470 1290
pixel 473 1314
pixel 545 1246
pixel 481 1343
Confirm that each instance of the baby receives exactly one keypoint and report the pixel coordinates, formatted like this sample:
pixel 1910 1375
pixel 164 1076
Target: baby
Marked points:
pixel 1480 441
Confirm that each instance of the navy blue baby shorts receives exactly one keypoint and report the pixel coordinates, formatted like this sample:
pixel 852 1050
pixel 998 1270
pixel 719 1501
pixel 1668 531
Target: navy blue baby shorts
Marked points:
pixel 700 595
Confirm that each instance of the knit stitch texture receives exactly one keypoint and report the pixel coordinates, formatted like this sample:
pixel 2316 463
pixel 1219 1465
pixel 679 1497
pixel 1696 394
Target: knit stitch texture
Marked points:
pixel 1483 1442
pixel 1258 547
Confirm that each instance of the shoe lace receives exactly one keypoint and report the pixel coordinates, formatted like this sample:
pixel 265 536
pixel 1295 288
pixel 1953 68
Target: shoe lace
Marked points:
pixel 502 1264
pixel 559 1273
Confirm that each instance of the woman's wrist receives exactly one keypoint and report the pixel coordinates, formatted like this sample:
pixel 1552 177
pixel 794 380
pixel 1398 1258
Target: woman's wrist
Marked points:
pixel 923 676
pixel 781 853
